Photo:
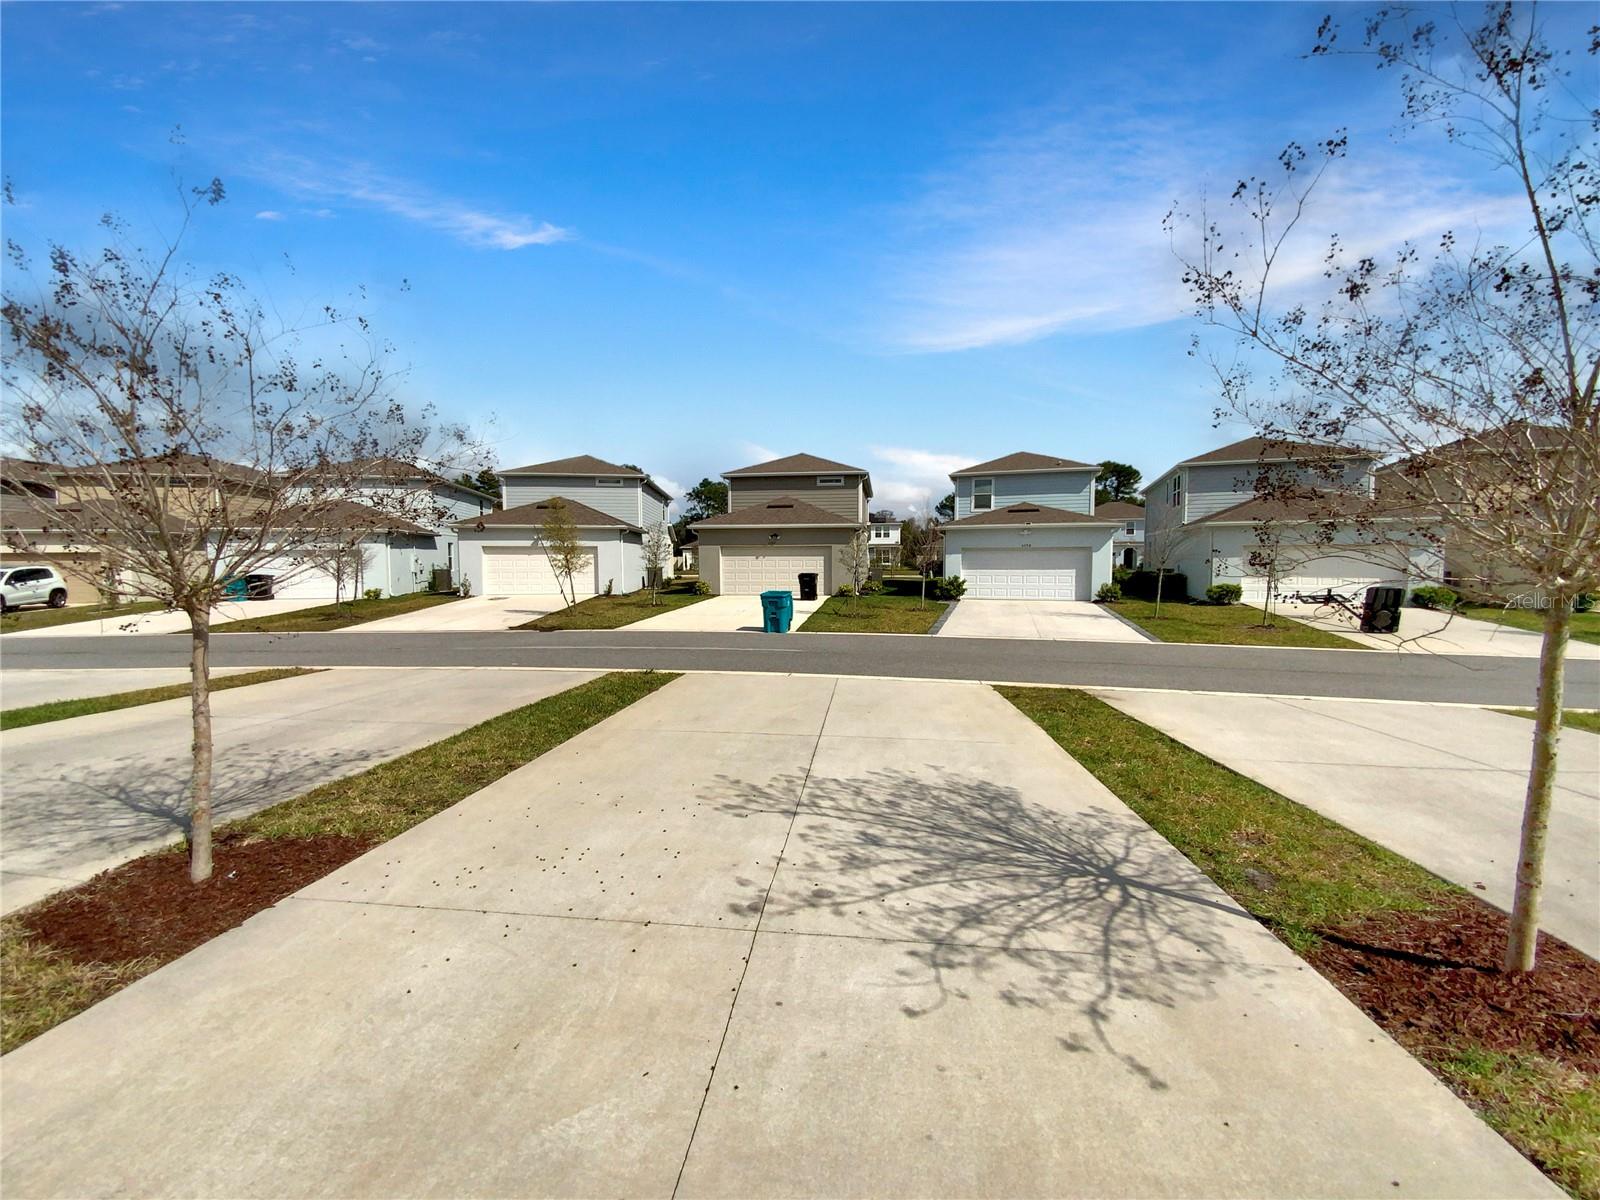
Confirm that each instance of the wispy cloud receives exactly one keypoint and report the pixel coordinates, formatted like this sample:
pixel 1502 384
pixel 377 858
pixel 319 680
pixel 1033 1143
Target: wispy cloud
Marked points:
pixel 757 453
pixel 912 481
pixel 363 185
pixel 268 214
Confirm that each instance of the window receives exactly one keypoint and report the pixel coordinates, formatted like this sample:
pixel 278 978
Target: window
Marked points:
pixel 1129 530
pixel 982 494
pixel 608 483
pixel 1175 489
pixel 830 480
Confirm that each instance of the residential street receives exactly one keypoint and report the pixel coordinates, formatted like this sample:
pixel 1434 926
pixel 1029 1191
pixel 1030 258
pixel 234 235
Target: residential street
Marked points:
pixel 1442 786
pixel 751 938
pixel 1293 672
pixel 85 794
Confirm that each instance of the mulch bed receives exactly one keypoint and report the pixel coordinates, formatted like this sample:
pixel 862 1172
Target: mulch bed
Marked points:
pixel 148 906
pixel 1433 978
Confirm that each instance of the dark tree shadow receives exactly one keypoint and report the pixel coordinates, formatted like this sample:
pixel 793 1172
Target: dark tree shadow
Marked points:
pixel 1071 912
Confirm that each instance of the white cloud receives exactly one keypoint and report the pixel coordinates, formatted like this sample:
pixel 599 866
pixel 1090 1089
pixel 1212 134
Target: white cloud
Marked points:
pixel 268 214
pixel 360 184
pixel 912 481
pixel 757 453
pixel 671 486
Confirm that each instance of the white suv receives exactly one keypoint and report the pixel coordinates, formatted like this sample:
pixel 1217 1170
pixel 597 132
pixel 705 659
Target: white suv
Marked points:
pixel 31 585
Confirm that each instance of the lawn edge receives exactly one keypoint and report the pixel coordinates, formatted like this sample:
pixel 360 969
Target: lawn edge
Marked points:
pixel 157 695
pixel 301 613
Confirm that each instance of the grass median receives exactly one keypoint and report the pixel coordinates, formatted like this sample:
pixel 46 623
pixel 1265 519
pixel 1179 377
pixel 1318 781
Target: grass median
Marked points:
pixel 73 949
pixel 1589 722
pixel 1417 954
pixel 613 612
pixel 18 619
pixel 61 710
pixel 327 617
pixel 1585 625
pixel 1226 625
pixel 899 608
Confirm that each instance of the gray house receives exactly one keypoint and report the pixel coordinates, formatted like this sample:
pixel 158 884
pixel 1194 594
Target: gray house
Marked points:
pixel 1127 544
pixel 615 508
pixel 785 517
pixel 1026 529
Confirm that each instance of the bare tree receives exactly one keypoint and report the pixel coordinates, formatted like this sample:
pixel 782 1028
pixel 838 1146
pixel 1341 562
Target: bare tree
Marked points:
pixel 657 553
pixel 343 559
pixel 857 561
pixel 925 550
pixel 191 441
pixel 558 534
pixel 1162 546
pixel 1470 369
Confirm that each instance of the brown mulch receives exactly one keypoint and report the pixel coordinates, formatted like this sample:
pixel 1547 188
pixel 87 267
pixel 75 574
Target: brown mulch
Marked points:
pixel 148 906
pixel 1433 978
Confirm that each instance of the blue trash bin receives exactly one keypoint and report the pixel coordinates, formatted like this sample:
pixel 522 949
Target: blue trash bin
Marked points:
pixel 777 612
pixel 235 588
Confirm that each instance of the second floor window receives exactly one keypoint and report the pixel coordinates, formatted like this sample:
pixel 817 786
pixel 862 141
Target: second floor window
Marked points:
pixel 1129 529
pixel 1175 489
pixel 830 480
pixel 608 483
pixel 982 494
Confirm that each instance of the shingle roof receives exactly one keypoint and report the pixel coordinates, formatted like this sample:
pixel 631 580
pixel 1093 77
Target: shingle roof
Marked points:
pixel 1121 510
pixel 527 516
pixel 797 464
pixel 1025 460
pixel 785 510
pixel 347 515
pixel 578 464
pixel 1259 449
pixel 1029 514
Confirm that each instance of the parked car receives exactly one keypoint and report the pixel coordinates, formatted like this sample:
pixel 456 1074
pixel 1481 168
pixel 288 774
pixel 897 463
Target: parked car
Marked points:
pixel 32 585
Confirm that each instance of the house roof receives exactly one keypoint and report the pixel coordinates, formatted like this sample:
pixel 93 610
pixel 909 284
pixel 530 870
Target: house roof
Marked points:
pixel 1024 460
pixel 1028 514
pixel 529 516
pixel 796 464
pixel 785 510
pixel 1513 437
pixel 1322 506
pixel 587 464
pixel 1121 510
pixel 347 515
pixel 176 463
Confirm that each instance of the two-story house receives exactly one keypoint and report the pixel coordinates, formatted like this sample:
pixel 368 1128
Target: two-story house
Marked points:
pixel 883 538
pixel 788 517
pixel 614 508
pixel 1025 528
pixel 1221 517
pixel 1127 544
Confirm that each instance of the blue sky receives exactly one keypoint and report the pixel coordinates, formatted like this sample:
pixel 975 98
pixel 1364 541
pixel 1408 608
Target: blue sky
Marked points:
pixel 908 237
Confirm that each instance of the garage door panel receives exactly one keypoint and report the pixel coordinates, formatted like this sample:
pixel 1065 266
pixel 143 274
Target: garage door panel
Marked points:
pixel 748 571
pixel 1033 573
pixel 526 571
pixel 1337 573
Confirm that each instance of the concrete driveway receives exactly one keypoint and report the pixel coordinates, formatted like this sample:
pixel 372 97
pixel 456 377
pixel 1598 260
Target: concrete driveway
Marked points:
pixel 1440 784
pixel 723 944
pixel 169 622
pixel 20 689
pixel 1039 620
pixel 721 614
pixel 1428 631
pixel 87 793
pixel 473 613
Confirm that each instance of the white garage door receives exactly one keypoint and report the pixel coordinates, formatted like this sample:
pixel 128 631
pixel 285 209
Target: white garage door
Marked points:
pixel 1328 572
pixel 1039 573
pixel 748 570
pixel 526 571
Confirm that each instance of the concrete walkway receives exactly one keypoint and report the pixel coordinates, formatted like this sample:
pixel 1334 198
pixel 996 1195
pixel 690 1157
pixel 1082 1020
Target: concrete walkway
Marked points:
pixel 1428 631
pixel 168 622
pixel 1039 620
pixel 755 936
pixel 87 793
pixel 473 613
pixel 721 614
pixel 21 689
pixel 1441 785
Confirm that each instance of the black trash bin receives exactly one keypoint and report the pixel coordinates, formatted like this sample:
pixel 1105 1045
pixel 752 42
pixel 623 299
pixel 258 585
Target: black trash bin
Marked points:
pixel 1380 611
pixel 808 585
pixel 258 587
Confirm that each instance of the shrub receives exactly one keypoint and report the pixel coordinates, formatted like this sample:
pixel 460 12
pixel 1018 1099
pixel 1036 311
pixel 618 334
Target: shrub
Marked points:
pixel 949 587
pixel 1224 593
pixel 872 587
pixel 372 594
pixel 609 585
pixel 1109 593
pixel 1120 574
pixel 465 589
pixel 843 589
pixel 1141 585
pixel 701 588
pixel 1434 596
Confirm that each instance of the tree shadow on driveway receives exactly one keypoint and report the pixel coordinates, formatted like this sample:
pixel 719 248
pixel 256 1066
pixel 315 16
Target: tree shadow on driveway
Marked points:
pixel 1075 911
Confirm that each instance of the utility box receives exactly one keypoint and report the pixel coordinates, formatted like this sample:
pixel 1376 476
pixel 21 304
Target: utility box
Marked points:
pixel 440 581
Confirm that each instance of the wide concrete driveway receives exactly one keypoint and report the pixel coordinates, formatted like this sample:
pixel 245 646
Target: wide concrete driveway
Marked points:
pixel 1039 620
pixel 1442 785
pixel 87 793
pixel 169 622
pixel 722 614
pixel 476 613
pixel 755 936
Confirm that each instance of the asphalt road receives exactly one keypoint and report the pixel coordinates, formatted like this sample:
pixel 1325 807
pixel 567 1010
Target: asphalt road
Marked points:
pixel 1376 674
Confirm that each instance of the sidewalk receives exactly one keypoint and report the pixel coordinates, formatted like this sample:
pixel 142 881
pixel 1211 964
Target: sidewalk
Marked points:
pixel 751 938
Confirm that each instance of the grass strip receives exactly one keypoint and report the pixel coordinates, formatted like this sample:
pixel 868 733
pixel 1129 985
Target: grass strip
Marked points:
pixel 1589 722
pixel 1302 874
pixel 613 612
pixel 43 618
pixel 60 710
pixel 326 617
pixel 1226 625
pixel 1585 625
pixel 45 982
pixel 888 612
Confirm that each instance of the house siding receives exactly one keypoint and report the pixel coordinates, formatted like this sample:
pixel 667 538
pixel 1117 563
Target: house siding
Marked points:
pixel 1069 490
pixel 620 502
pixel 849 501
pixel 1214 488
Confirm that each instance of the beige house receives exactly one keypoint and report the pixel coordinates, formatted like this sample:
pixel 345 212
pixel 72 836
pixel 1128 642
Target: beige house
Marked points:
pixel 786 518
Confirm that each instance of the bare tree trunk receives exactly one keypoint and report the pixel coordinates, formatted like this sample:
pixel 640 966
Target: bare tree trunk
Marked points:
pixel 1160 572
pixel 1523 941
pixel 201 748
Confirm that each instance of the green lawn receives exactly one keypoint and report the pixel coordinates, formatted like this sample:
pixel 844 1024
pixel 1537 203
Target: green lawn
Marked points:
pixel 1585 625
pixel 1300 873
pixel 60 710
pixel 1589 722
pixel 889 612
pixel 43 618
pixel 326 617
pixel 1225 624
pixel 612 612
pixel 40 986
